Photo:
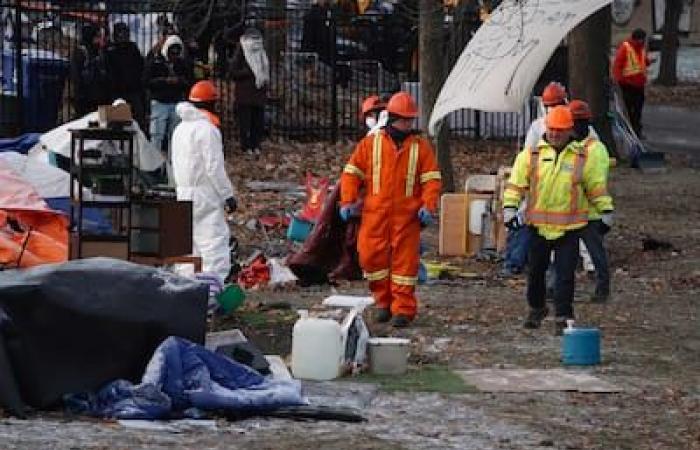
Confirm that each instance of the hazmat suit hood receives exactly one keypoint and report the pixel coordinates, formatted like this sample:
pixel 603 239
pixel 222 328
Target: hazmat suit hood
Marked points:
pixel 190 113
pixel 169 42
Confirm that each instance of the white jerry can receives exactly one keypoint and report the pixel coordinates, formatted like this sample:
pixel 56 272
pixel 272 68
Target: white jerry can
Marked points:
pixel 317 349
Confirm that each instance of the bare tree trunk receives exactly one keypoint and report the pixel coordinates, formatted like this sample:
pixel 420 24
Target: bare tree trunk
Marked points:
pixel 589 70
pixel 669 44
pixel 432 76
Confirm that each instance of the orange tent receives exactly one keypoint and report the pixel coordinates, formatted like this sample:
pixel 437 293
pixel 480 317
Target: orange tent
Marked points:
pixel 30 232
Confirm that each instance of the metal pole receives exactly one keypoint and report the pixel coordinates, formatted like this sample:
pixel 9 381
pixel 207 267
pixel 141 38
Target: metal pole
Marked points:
pixel 17 37
pixel 334 87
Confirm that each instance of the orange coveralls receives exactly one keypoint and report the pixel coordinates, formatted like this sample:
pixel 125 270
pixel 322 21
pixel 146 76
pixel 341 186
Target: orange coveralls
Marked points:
pixel 398 182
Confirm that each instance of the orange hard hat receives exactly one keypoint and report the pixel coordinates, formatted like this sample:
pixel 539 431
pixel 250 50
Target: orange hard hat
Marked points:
pixel 560 118
pixel 402 104
pixel 554 94
pixel 580 110
pixel 371 104
pixel 203 91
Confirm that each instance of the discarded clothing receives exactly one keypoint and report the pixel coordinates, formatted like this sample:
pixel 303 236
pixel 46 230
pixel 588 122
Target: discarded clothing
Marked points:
pixel 330 251
pixel 182 376
pixel 257 273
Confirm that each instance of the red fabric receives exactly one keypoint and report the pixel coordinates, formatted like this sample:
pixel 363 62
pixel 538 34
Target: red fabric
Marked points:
pixel 620 61
pixel 256 274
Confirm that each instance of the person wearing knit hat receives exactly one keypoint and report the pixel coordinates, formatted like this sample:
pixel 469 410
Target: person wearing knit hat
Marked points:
pixel 169 77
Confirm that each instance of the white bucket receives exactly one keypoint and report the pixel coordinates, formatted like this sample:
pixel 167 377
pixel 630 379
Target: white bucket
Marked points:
pixel 388 356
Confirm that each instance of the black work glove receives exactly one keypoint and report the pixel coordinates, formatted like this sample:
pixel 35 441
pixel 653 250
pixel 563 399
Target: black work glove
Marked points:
pixel 231 205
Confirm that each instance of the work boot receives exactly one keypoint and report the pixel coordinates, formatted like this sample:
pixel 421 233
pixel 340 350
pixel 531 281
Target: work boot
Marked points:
pixel 382 315
pixel 535 318
pixel 400 321
pixel 560 325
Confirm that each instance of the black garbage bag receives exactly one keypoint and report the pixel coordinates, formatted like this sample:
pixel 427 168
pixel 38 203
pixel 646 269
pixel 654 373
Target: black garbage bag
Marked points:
pixel 75 326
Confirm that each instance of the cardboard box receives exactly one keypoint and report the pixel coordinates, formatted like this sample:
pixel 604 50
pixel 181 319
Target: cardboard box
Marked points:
pixel 453 225
pixel 117 113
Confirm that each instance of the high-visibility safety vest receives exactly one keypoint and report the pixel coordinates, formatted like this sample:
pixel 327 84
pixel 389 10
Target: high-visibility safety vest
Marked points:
pixel 419 169
pixel 597 154
pixel 634 65
pixel 561 188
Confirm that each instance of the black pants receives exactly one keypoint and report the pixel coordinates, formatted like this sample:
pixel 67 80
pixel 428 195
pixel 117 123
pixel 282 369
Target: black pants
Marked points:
pixel 251 124
pixel 634 102
pixel 593 236
pixel 565 260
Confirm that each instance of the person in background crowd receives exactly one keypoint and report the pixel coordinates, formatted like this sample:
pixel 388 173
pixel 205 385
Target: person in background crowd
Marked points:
pixel 250 70
pixel 630 73
pixel 88 71
pixel 125 69
pixel 168 77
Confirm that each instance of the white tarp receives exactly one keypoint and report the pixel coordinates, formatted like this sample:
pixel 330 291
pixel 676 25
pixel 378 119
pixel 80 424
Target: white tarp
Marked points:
pixel 146 157
pixel 500 65
pixel 48 181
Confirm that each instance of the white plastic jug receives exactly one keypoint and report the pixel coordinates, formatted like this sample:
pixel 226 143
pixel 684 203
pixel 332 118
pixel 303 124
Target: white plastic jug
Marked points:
pixel 317 349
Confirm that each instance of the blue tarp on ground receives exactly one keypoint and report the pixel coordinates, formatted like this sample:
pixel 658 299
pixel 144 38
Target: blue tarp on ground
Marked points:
pixel 183 378
pixel 20 144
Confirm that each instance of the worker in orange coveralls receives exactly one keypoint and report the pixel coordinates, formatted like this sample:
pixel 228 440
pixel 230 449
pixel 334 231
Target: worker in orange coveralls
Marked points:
pixel 401 180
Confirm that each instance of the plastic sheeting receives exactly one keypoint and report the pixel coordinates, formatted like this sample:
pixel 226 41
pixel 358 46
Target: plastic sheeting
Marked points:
pixel 75 326
pixel 21 144
pixel 183 378
pixel 147 158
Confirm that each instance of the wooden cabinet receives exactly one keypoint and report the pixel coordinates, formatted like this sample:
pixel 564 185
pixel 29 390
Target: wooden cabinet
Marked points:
pixel 161 228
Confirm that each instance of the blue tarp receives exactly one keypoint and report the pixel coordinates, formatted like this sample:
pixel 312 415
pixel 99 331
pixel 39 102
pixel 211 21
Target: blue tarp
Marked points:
pixel 20 144
pixel 183 379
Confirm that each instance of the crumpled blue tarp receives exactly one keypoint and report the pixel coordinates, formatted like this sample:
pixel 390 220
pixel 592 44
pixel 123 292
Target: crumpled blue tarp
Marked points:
pixel 20 144
pixel 183 378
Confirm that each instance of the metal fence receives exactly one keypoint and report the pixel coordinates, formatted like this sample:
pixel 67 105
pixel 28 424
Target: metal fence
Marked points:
pixel 323 61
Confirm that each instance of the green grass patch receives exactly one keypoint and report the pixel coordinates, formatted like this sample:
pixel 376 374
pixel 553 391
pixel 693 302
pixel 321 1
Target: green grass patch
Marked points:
pixel 428 378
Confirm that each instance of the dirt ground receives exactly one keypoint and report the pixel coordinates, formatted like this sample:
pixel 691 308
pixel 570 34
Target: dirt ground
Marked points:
pixel 650 329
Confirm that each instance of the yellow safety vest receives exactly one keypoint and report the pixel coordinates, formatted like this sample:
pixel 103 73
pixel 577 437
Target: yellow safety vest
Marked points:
pixel 558 186
pixel 634 66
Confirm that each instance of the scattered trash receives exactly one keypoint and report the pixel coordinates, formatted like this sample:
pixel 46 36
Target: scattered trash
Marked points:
pixel 254 274
pixel 231 298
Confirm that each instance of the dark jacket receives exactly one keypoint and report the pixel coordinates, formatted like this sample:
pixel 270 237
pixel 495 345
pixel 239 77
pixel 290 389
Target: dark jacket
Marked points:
pixel 88 73
pixel 245 91
pixel 158 70
pixel 125 69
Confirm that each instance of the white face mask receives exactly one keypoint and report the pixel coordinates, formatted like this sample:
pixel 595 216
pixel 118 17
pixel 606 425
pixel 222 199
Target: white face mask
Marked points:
pixel 371 122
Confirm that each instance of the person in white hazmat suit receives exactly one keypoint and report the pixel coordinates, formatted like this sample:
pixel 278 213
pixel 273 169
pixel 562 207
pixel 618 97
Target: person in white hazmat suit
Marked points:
pixel 200 176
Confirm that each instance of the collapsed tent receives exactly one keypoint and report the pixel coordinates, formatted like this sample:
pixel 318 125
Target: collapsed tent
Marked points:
pixel 30 232
pixel 53 186
pixel 75 326
pixel 330 251
pixel 58 140
pixel 182 375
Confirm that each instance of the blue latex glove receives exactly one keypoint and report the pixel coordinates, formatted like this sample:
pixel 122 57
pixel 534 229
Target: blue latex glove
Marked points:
pixel 346 213
pixel 425 217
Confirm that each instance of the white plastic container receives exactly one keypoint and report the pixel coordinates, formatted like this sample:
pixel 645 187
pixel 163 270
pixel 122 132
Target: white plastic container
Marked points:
pixel 317 349
pixel 388 355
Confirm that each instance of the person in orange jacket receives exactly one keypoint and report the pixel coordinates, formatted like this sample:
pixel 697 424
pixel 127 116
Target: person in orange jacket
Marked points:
pixel 401 178
pixel 630 73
